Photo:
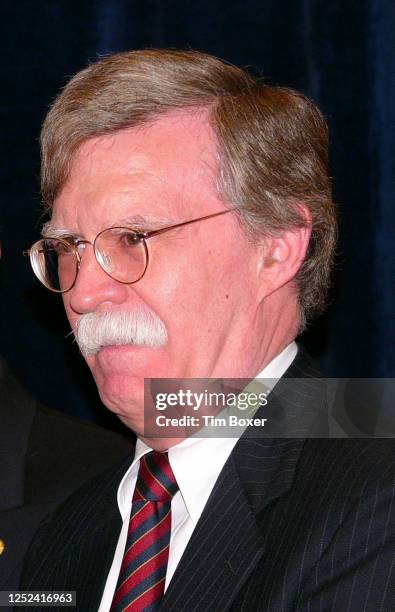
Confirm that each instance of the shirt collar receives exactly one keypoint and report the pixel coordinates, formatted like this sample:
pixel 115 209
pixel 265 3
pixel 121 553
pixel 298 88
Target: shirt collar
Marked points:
pixel 197 462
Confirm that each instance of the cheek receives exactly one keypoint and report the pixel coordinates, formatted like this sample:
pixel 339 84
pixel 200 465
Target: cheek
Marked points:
pixel 194 305
pixel 204 281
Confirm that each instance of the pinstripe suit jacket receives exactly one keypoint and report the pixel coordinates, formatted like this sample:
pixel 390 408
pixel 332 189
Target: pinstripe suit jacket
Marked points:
pixel 302 524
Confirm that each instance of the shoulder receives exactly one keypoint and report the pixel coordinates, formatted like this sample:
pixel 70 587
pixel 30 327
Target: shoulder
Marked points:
pixel 64 452
pixel 356 455
pixel 346 469
pixel 74 430
pixel 348 512
pixel 343 494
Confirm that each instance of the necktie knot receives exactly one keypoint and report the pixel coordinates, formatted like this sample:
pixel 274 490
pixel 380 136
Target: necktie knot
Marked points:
pixel 155 481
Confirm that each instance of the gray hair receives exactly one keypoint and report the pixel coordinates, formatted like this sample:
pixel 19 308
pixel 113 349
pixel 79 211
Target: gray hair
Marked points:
pixel 272 142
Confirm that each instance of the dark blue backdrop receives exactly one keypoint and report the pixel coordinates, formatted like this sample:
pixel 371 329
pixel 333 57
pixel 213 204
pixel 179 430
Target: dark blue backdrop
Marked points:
pixel 341 53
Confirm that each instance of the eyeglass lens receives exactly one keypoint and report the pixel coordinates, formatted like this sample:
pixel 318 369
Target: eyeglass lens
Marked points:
pixel 120 252
pixel 55 264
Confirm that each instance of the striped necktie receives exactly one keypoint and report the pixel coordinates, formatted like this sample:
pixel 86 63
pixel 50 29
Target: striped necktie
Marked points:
pixel 142 576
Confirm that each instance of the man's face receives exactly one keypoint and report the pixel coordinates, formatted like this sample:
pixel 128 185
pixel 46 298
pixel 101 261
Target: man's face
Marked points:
pixel 202 279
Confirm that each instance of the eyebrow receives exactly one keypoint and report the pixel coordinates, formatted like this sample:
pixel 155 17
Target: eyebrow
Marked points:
pixel 50 230
pixel 141 223
pixel 136 222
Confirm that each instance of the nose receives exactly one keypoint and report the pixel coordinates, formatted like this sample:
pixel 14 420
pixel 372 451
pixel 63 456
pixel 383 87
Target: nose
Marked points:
pixel 93 287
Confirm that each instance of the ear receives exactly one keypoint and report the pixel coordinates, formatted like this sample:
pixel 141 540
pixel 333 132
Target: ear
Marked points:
pixel 282 256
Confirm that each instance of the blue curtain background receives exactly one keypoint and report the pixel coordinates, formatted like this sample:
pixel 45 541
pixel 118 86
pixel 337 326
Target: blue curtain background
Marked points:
pixel 340 53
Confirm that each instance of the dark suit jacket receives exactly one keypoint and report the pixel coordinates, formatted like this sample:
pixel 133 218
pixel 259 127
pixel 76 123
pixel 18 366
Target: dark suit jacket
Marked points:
pixel 44 457
pixel 299 523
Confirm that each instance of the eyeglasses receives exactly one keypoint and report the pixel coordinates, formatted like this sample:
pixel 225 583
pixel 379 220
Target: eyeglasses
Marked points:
pixel 120 251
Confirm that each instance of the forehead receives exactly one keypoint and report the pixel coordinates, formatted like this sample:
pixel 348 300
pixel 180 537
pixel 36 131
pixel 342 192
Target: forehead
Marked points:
pixel 166 168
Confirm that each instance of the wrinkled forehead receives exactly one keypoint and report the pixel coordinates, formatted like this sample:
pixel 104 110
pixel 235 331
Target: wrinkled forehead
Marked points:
pixel 165 168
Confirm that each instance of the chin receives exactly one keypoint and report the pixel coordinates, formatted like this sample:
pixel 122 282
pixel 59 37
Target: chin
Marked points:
pixel 119 373
pixel 125 398
pixel 119 389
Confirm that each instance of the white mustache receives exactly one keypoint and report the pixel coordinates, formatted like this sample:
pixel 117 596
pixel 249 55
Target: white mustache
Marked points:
pixel 139 327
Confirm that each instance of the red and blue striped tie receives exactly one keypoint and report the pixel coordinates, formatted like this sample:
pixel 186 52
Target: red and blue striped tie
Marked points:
pixel 142 576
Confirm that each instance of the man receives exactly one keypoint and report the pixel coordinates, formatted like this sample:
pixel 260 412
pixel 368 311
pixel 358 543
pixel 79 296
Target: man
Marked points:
pixel 192 234
pixel 45 456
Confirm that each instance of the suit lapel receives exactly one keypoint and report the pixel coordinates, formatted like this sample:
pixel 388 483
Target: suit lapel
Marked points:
pixel 227 542
pixel 208 576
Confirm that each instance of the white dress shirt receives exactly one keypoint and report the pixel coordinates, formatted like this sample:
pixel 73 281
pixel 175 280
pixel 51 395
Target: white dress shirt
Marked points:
pixel 196 464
